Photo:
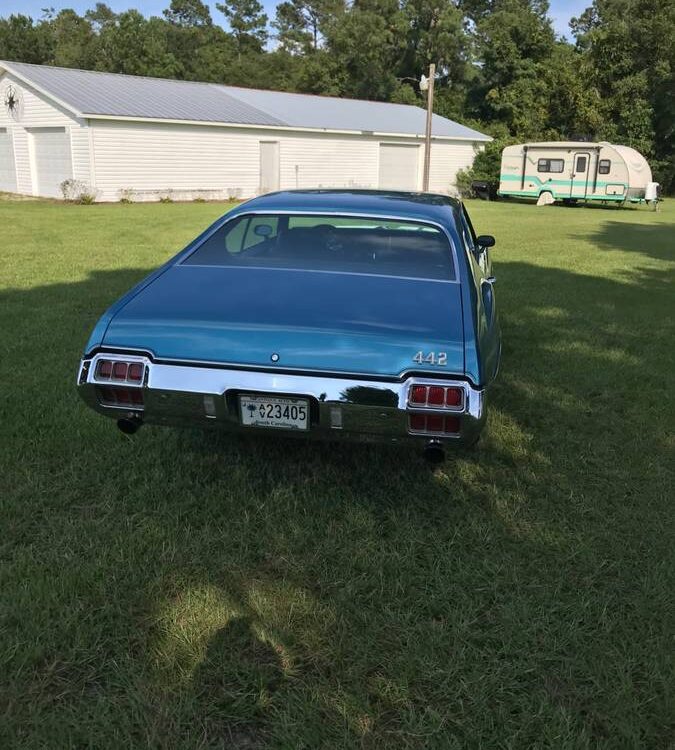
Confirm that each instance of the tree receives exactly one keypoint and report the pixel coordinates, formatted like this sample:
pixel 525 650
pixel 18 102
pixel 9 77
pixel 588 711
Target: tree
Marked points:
pixel 301 23
pixel 22 40
pixel 100 17
pixel 514 46
pixel 138 46
pixel 188 14
pixel 291 26
pixel 629 56
pixel 368 43
pixel 247 22
pixel 74 41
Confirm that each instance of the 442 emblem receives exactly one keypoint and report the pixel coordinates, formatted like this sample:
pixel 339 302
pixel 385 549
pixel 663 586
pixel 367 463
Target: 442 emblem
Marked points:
pixel 439 359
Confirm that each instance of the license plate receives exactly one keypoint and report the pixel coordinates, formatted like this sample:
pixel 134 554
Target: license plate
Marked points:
pixel 264 411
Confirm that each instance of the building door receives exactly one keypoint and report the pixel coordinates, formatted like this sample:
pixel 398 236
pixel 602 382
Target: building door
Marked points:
pixel 7 166
pixel 399 167
pixel 580 170
pixel 52 160
pixel 269 166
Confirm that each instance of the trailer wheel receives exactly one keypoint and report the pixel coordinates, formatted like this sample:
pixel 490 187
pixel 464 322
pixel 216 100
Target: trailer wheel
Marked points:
pixel 546 198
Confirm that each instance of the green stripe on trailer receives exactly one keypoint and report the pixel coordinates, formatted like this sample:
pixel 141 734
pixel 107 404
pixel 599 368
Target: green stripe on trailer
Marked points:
pixel 551 182
pixel 562 196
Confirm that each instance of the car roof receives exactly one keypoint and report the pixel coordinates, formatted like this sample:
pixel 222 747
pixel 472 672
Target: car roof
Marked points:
pixel 403 204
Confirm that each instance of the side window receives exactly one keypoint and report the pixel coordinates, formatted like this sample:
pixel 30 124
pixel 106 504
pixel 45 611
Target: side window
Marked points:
pixel 555 166
pixel 478 259
pixel 234 239
pixel 465 231
pixel 472 233
pixel 604 166
pixel 259 229
pixel 581 164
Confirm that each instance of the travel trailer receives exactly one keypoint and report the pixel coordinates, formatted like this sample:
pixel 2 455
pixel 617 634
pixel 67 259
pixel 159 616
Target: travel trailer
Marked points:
pixel 574 171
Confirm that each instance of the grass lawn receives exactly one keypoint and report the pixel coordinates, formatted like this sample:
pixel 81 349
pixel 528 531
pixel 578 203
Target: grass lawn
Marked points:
pixel 187 590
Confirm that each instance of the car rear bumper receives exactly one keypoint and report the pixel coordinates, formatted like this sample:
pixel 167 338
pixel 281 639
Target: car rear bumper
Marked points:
pixel 341 408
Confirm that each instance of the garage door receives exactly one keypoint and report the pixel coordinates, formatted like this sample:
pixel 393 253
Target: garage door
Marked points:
pixel 7 168
pixel 398 166
pixel 53 162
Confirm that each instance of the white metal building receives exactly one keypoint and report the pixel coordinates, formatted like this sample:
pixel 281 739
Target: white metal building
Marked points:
pixel 143 138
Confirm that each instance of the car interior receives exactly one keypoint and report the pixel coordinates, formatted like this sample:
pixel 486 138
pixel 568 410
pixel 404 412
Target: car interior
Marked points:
pixel 347 245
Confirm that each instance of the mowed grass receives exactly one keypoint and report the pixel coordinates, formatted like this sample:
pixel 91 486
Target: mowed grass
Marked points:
pixel 182 589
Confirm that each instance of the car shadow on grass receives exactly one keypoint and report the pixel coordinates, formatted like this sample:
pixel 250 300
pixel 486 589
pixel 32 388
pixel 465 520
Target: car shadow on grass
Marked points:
pixel 249 593
pixel 651 240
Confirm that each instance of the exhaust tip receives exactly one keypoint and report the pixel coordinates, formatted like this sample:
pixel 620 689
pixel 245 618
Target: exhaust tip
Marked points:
pixel 434 453
pixel 129 426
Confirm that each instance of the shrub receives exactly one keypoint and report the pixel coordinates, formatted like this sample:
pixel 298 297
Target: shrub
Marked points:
pixel 166 196
pixel 75 191
pixel 486 167
pixel 126 195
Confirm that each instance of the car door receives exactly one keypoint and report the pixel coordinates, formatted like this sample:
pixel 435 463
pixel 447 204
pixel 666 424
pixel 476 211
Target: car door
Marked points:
pixel 488 334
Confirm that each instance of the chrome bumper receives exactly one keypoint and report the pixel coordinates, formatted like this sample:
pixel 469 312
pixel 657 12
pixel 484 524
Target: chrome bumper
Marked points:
pixel 340 407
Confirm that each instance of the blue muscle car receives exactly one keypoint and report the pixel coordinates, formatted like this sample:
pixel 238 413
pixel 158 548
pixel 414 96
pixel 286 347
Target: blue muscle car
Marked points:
pixel 327 313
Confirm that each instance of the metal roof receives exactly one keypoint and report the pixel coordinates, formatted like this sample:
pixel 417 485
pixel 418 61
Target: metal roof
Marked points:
pixel 115 95
pixel 304 110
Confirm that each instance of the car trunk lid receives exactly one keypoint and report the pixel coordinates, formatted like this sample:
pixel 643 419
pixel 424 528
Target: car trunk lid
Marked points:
pixel 313 321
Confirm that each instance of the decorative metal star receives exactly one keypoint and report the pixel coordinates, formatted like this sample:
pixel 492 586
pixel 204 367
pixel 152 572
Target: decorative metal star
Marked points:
pixel 11 99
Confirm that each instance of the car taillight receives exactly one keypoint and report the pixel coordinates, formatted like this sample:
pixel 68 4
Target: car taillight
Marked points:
pixel 453 396
pixel 104 369
pixel 434 424
pixel 451 425
pixel 418 422
pixel 121 396
pixel 418 395
pixel 123 383
pixel 135 372
pixel 119 371
pixel 436 397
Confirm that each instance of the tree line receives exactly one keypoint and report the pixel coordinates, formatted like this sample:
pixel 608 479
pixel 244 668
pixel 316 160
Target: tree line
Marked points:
pixel 500 66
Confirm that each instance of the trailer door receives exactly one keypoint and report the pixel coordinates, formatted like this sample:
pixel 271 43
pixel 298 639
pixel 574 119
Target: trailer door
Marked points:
pixel 581 165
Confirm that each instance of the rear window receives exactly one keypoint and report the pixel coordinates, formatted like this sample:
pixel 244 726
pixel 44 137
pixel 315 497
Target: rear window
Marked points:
pixel 329 243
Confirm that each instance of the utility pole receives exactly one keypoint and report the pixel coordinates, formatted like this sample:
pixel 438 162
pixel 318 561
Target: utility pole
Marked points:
pixel 427 142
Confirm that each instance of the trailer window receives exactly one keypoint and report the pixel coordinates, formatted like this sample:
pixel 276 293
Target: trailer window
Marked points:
pixel 550 165
pixel 604 166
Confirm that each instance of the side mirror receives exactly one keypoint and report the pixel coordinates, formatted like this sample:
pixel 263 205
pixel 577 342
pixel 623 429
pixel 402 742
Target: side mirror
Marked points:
pixel 485 240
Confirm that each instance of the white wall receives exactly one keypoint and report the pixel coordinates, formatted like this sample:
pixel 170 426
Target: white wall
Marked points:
pixel 447 158
pixel 185 161
pixel 38 111
pixel 152 159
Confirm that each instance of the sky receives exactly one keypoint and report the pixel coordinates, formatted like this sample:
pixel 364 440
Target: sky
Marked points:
pixel 561 10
